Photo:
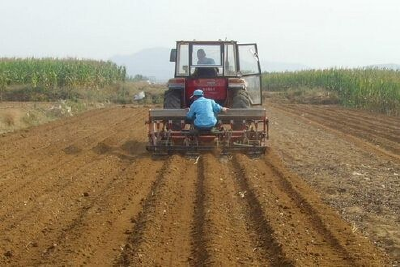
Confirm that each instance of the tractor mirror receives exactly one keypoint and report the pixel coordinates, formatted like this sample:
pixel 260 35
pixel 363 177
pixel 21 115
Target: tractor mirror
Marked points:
pixel 172 55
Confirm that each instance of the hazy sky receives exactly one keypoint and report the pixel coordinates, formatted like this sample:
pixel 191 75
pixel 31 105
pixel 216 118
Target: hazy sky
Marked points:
pixel 316 33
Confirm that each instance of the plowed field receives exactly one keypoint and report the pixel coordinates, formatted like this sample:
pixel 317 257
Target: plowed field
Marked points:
pixel 83 191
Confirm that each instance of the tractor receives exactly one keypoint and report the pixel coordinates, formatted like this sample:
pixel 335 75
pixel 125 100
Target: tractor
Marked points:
pixel 230 74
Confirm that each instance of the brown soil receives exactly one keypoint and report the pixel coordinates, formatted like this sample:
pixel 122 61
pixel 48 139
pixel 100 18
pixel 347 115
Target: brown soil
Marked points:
pixel 352 158
pixel 83 191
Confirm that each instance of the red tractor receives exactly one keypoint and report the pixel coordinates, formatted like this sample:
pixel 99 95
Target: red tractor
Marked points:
pixel 230 74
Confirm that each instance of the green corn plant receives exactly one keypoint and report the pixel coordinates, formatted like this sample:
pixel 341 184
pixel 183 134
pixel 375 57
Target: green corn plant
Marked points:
pixel 49 72
pixel 371 89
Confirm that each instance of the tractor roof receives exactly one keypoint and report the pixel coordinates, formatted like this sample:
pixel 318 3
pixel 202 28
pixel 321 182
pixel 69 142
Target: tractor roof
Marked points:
pixel 208 42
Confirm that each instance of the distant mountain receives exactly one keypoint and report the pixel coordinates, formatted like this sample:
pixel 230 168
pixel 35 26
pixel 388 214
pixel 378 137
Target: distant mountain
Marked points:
pixel 154 63
pixel 390 66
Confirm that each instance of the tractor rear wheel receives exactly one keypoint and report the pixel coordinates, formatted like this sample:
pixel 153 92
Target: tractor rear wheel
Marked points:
pixel 241 99
pixel 172 99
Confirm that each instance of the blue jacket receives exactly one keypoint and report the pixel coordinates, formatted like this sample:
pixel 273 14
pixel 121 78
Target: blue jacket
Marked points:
pixel 203 112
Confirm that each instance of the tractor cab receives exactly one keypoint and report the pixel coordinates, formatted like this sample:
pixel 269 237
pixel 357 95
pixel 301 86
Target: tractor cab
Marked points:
pixel 219 68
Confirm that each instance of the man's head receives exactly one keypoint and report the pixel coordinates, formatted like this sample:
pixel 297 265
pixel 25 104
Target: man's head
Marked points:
pixel 197 93
pixel 201 54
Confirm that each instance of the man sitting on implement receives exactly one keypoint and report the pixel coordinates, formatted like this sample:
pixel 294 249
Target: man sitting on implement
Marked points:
pixel 203 111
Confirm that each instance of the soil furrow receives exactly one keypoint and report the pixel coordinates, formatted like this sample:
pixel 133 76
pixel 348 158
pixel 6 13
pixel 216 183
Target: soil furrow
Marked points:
pixel 117 213
pixel 59 156
pixel 69 142
pixel 349 135
pixel 301 220
pixel 367 130
pixel 69 197
pixel 389 143
pixel 39 136
pixel 364 130
pixel 231 221
pixel 266 239
pixel 53 211
pixel 162 234
pixel 199 245
pixel 65 171
pixel 379 119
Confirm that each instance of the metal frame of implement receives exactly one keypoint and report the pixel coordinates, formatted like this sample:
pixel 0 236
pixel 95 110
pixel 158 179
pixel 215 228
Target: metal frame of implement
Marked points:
pixel 249 133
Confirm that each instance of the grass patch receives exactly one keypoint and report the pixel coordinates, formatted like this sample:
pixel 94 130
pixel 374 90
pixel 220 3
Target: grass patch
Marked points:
pixel 118 93
pixel 9 119
pixel 31 118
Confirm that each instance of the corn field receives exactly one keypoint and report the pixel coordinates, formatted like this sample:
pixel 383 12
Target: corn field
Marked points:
pixel 57 73
pixel 371 89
